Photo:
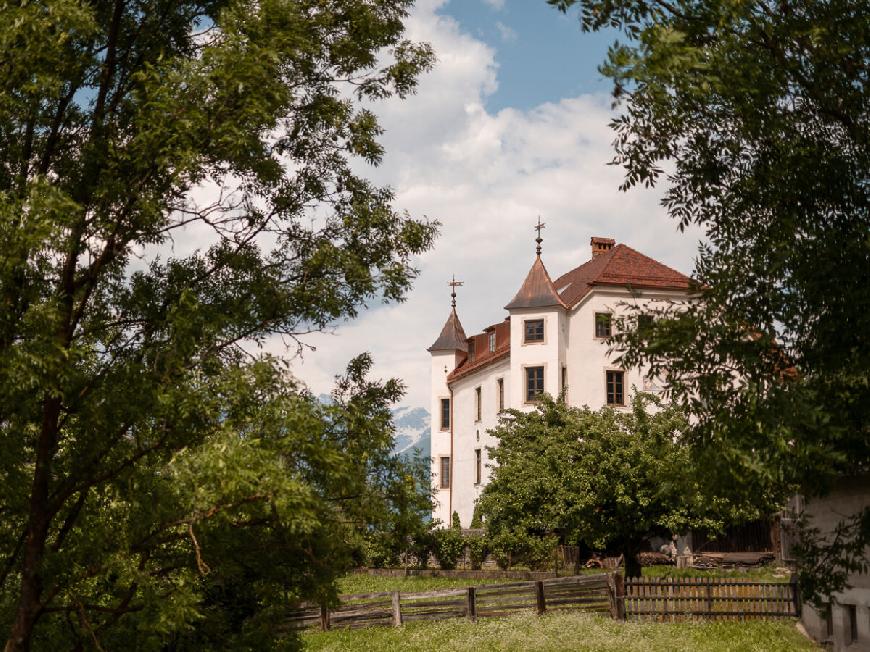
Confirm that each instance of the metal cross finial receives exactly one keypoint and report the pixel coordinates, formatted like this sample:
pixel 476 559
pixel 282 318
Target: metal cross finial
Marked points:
pixel 454 284
pixel 540 225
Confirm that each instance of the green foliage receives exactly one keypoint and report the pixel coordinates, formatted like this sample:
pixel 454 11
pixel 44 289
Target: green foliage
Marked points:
pixel 478 549
pixel 476 518
pixel 449 546
pixel 455 523
pixel 603 478
pixel 761 113
pixel 162 484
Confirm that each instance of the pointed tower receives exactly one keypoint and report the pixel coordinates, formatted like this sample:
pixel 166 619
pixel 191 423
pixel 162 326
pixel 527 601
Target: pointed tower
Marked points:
pixel 538 335
pixel 447 352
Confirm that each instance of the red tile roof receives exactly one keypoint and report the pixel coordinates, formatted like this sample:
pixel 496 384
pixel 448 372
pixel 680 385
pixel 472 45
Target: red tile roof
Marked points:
pixel 622 266
pixel 479 355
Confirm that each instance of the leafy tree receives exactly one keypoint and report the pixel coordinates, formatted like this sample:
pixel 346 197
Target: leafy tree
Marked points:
pixel 603 479
pixel 757 115
pixel 129 480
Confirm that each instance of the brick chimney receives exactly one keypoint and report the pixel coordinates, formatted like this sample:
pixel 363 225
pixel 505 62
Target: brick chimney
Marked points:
pixel 601 245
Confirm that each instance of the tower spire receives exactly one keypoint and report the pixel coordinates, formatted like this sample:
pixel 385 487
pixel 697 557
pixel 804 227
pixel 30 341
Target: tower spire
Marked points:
pixel 453 285
pixel 540 225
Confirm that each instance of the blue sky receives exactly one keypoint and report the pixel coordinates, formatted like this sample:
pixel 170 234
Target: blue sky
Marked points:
pixel 542 54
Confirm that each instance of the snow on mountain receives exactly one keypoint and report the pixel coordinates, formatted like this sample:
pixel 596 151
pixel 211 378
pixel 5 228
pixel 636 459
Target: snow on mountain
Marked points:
pixel 412 430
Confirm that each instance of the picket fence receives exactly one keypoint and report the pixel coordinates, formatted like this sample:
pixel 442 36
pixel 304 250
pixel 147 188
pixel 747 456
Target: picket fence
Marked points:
pixel 691 598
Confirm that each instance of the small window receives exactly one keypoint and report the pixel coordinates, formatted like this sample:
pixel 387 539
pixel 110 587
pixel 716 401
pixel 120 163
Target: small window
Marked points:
pixel 851 622
pixel 534 383
pixel 500 385
pixel 477 466
pixel 644 324
pixel 471 349
pixel 445 473
pixel 564 378
pixel 615 393
pixel 533 330
pixel 492 342
pixel 477 402
pixel 445 414
pixel 602 324
pixel 829 619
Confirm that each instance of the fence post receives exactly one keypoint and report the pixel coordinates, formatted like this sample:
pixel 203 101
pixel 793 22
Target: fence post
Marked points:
pixel 795 594
pixel 539 597
pixel 397 610
pixel 709 596
pixel 324 617
pixel 619 595
pixel 471 604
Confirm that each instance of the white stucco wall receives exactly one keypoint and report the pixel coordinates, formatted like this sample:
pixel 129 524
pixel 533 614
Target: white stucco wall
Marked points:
pixel 586 356
pixel 443 362
pixel 535 354
pixel 470 434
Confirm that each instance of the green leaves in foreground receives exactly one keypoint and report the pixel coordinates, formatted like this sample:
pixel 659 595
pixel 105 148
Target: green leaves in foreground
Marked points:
pixel 179 185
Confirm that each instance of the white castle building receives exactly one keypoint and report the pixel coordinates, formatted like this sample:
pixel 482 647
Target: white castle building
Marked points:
pixel 553 339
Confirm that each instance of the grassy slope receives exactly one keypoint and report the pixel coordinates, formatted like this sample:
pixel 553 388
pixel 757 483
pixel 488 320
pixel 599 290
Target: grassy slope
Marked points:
pixel 567 631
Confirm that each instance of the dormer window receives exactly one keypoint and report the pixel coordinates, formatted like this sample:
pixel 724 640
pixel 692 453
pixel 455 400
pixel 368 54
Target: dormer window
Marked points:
pixel 602 325
pixel 492 342
pixel 471 349
pixel 533 330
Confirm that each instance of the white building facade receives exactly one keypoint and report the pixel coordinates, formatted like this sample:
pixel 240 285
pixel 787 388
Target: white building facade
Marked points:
pixel 553 340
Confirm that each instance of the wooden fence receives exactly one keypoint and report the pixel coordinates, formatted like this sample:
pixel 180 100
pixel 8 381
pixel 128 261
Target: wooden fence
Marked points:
pixel 670 599
pixel 658 599
pixel 586 592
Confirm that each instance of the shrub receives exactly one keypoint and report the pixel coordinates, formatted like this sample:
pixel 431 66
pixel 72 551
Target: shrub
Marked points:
pixel 478 547
pixel 449 546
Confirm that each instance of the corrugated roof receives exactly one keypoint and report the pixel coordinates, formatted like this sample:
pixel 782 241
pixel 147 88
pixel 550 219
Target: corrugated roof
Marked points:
pixel 537 290
pixel 452 337
pixel 621 266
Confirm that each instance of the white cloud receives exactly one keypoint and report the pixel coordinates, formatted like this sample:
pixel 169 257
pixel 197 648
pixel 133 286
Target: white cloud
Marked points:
pixel 486 177
pixel 507 34
pixel 498 5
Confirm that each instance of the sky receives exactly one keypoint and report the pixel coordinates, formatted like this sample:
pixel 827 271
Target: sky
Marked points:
pixel 511 123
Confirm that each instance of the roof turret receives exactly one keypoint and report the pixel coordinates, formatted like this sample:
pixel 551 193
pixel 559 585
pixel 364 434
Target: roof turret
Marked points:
pixel 537 290
pixel 452 337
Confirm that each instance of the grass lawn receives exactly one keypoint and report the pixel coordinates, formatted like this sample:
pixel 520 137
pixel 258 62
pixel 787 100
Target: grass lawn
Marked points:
pixel 569 631
pixel 363 583
pixel 761 573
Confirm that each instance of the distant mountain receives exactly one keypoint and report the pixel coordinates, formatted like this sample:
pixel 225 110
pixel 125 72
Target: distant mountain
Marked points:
pixel 412 429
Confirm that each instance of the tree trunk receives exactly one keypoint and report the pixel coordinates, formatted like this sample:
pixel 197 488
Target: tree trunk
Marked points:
pixel 629 558
pixel 29 605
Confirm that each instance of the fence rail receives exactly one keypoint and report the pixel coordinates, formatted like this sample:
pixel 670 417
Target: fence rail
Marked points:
pixel 585 592
pixel 687 598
